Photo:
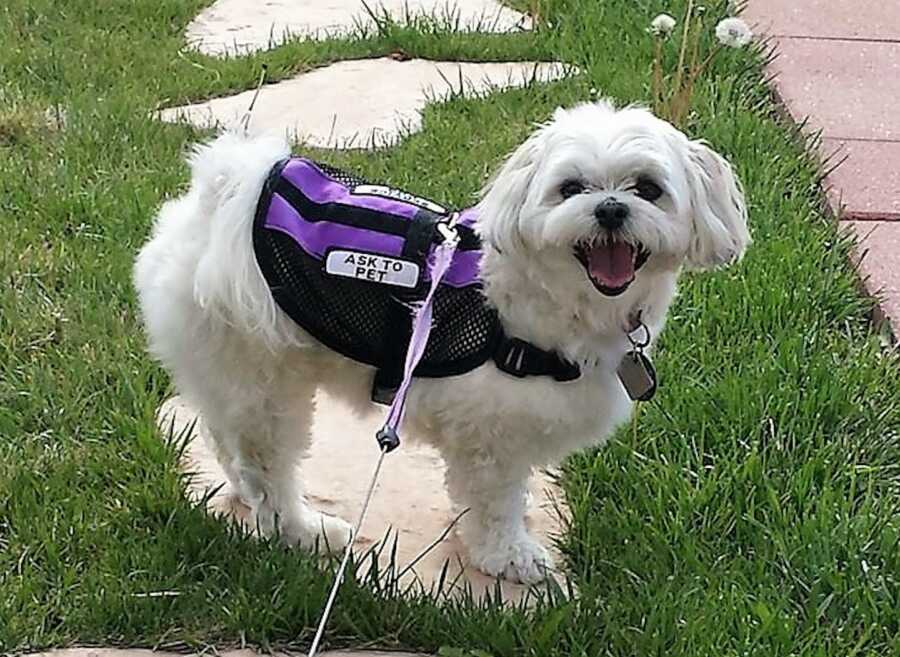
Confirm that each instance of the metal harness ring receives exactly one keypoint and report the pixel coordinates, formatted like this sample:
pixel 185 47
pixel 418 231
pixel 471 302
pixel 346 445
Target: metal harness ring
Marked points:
pixel 639 344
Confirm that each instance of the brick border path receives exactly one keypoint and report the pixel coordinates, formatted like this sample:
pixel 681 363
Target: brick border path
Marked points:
pixel 838 66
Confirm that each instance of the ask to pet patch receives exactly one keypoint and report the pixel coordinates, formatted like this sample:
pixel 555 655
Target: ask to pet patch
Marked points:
pixel 373 268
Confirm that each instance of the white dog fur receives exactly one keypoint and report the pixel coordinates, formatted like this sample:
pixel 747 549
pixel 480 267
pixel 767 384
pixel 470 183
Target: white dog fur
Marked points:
pixel 253 373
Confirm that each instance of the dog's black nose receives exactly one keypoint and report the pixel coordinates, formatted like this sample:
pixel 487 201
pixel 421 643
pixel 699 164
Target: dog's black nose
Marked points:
pixel 611 214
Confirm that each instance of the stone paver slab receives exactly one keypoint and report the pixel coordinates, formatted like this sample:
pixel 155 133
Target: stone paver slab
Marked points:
pixel 878 255
pixel 867 184
pixel 848 88
pixel 336 474
pixel 832 19
pixel 236 27
pixel 369 102
pixel 142 652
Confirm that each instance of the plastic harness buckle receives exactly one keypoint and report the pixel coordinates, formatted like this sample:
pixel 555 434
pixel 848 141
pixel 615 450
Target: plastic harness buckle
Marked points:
pixel 521 359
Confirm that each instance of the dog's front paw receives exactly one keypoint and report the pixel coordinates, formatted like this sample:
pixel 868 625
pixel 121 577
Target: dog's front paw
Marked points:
pixel 524 561
pixel 318 531
pixel 304 527
pixel 333 533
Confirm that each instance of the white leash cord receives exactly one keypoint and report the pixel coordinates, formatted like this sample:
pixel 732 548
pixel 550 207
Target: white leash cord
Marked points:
pixel 339 576
pixel 387 437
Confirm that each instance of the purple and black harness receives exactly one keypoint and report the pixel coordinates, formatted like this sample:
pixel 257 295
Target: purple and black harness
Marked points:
pixel 384 278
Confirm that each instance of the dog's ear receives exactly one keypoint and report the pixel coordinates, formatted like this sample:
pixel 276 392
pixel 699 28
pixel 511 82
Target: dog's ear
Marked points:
pixel 719 212
pixel 504 196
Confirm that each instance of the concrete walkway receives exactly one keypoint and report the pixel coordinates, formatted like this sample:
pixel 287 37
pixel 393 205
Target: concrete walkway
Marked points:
pixel 838 66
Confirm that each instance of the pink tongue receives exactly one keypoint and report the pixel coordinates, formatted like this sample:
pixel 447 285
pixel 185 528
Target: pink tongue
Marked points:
pixel 611 264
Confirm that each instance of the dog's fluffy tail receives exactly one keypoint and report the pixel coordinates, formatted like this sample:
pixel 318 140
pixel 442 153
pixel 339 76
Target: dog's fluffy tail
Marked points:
pixel 209 233
pixel 228 175
pixel 232 164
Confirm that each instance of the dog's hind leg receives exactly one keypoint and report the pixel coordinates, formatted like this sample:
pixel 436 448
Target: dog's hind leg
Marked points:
pixel 267 461
pixel 259 420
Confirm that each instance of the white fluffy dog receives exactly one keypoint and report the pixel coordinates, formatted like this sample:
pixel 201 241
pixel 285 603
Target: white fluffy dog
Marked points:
pixel 586 226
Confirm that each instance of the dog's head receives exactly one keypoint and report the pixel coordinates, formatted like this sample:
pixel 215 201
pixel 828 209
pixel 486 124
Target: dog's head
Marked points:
pixel 600 193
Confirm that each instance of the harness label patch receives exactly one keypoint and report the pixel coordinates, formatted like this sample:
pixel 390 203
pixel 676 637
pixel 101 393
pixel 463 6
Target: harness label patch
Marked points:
pixel 399 195
pixel 374 268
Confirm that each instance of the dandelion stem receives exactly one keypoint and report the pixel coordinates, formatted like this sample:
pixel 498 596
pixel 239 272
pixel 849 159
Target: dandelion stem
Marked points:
pixel 684 41
pixel 696 45
pixel 657 87
pixel 683 104
pixel 692 79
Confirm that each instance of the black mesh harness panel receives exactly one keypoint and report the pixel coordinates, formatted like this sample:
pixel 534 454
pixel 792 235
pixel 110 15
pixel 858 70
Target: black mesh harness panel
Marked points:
pixel 369 321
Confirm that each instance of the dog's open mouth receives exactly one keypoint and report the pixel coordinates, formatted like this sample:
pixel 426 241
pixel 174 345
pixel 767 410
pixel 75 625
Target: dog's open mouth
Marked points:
pixel 611 264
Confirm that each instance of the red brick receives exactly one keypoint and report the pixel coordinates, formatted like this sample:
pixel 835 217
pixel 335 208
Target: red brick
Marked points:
pixel 836 19
pixel 868 182
pixel 848 88
pixel 879 253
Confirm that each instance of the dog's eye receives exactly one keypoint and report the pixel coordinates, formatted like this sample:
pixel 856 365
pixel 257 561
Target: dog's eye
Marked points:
pixel 571 188
pixel 647 189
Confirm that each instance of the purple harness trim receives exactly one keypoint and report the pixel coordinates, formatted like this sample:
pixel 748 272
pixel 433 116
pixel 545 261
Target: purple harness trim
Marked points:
pixel 318 237
pixel 322 189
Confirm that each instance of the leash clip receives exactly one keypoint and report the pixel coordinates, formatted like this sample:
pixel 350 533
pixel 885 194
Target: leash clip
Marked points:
pixel 447 231
pixel 387 438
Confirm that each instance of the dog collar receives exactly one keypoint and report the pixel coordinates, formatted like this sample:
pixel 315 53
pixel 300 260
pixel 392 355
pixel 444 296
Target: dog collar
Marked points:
pixel 520 359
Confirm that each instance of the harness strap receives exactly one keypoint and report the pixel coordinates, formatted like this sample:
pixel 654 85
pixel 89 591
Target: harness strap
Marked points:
pixel 398 330
pixel 520 359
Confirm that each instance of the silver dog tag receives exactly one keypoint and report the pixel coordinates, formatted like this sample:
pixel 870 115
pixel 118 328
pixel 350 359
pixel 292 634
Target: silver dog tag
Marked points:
pixel 637 376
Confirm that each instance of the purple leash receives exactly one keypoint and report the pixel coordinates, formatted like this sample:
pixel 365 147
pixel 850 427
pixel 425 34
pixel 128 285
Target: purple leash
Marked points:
pixel 387 437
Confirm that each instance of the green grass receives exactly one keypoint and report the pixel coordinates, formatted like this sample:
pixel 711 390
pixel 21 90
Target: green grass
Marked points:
pixel 753 510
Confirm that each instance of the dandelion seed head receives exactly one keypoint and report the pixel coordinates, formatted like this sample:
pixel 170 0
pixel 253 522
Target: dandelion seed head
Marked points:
pixel 733 32
pixel 662 25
